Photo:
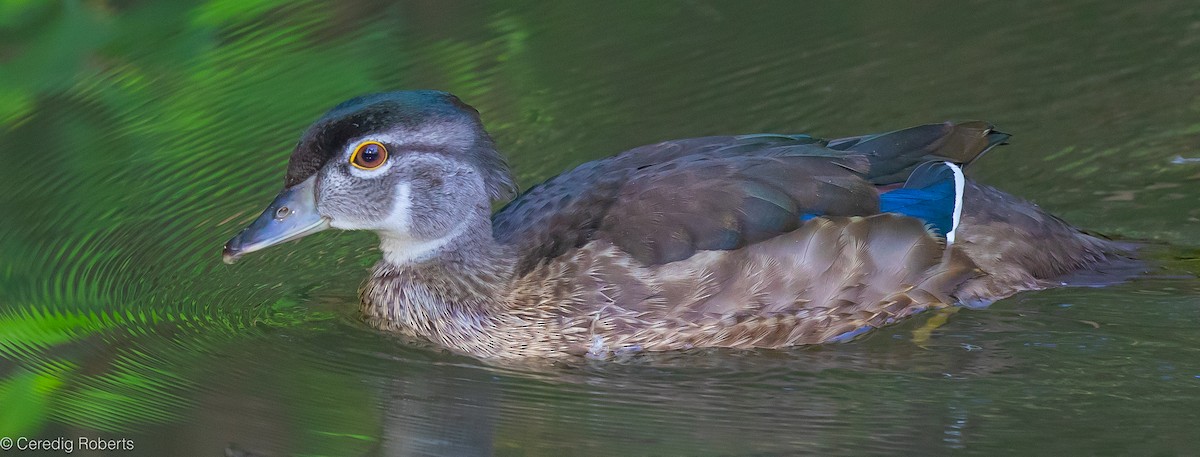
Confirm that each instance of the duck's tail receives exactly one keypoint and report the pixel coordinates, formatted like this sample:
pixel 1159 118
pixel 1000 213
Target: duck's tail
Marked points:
pixel 1022 247
pixel 1019 245
pixel 894 155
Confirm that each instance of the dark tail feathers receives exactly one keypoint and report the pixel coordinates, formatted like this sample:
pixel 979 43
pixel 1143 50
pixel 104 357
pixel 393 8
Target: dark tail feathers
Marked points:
pixel 893 155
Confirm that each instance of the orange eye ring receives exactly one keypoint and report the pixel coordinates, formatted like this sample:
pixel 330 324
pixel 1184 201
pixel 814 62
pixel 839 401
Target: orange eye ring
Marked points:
pixel 369 155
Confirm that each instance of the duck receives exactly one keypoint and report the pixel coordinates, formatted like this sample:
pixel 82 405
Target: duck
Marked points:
pixel 758 241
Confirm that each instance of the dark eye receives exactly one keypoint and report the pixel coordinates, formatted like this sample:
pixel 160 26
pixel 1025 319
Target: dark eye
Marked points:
pixel 369 155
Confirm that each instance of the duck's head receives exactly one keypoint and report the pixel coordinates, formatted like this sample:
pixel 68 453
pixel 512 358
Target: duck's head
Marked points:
pixel 412 166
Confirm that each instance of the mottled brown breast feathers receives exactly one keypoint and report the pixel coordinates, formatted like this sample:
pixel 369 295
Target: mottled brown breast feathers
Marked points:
pixel 830 277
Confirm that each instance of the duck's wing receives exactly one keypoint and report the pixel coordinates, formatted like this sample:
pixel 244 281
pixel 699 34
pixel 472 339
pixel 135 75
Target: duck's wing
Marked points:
pixel 664 202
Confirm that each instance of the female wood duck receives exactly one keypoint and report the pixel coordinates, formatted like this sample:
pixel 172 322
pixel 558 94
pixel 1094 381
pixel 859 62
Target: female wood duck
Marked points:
pixel 753 241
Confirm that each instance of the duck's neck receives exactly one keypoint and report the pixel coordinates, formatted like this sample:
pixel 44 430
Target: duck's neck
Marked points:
pixel 448 290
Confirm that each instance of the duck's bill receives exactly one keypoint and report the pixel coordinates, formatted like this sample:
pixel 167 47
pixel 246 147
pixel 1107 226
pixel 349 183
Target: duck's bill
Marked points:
pixel 291 216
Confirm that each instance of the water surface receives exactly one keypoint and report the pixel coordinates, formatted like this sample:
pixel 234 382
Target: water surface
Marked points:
pixel 136 137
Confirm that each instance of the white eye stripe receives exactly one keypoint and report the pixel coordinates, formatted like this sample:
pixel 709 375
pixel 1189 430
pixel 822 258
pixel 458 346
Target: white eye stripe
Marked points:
pixel 447 134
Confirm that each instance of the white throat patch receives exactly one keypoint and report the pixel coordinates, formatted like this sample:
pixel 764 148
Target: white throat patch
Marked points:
pixel 395 236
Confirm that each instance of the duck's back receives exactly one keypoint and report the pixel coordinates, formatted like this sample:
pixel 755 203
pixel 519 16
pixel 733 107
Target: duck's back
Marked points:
pixel 664 202
pixel 762 230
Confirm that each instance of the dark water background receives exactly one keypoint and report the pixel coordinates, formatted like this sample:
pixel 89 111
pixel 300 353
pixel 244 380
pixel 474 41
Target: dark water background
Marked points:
pixel 137 136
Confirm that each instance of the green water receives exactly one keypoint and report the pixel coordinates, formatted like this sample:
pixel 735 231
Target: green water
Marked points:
pixel 136 137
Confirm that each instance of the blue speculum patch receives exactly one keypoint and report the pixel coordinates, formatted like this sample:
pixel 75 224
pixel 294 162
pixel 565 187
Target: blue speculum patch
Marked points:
pixel 929 195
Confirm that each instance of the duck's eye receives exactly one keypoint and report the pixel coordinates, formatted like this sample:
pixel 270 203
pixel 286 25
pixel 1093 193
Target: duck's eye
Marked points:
pixel 369 155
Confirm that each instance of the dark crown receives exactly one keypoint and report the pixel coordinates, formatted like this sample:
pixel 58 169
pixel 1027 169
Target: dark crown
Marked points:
pixel 384 111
